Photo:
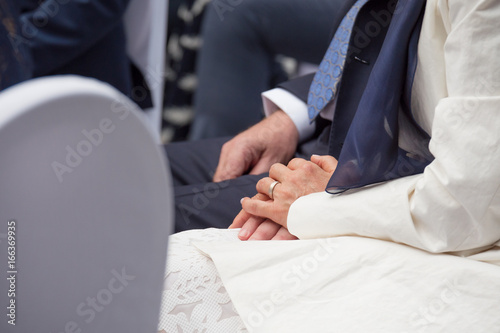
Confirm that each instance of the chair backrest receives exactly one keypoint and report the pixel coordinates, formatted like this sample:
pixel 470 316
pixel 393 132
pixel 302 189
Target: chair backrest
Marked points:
pixel 146 27
pixel 85 210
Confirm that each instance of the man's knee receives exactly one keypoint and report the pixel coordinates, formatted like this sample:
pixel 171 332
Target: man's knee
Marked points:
pixel 228 20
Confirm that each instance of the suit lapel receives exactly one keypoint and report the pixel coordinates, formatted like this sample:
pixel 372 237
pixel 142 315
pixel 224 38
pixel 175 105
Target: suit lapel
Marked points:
pixel 366 41
pixel 371 151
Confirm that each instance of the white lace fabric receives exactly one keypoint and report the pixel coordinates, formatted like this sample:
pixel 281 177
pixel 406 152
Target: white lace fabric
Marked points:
pixel 194 298
pixel 350 284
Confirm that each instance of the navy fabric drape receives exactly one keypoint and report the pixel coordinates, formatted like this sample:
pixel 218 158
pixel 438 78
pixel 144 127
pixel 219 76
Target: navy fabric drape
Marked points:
pixel 370 153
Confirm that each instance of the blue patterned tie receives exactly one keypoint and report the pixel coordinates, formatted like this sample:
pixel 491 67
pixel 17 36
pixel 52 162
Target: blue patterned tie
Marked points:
pixel 326 81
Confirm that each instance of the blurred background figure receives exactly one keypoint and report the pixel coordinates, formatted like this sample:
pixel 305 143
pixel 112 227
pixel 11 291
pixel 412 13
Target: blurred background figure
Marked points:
pixel 223 54
pixel 238 58
pixel 184 39
pixel 15 63
pixel 82 37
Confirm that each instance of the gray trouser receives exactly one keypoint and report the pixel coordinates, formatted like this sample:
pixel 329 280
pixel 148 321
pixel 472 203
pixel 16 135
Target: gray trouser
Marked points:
pixel 200 203
pixel 241 39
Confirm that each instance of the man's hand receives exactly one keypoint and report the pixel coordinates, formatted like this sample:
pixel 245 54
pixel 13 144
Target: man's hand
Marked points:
pixel 272 140
pixel 298 179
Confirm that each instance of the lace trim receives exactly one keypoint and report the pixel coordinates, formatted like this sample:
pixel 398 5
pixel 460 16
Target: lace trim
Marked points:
pixel 194 298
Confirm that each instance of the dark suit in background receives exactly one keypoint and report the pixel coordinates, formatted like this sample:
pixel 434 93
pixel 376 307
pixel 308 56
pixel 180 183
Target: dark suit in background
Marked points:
pixel 82 37
pixel 237 59
pixel 15 63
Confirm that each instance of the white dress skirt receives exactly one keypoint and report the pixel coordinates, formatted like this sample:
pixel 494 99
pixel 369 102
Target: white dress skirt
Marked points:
pixel 216 283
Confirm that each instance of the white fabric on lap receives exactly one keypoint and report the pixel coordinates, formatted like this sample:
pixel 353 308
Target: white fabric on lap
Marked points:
pixel 194 299
pixel 343 284
pixel 354 284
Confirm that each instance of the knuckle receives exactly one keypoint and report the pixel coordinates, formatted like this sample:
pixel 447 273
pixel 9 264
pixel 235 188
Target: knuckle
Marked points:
pixel 294 161
pixel 309 167
pixel 274 168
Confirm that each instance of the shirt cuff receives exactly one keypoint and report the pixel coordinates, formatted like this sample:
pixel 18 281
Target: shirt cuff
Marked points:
pixel 296 109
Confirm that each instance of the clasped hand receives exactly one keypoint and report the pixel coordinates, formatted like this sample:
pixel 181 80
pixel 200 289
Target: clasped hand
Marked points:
pixel 263 218
pixel 259 149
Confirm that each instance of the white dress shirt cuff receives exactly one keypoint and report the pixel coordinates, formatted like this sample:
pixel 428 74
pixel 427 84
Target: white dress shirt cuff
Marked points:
pixel 296 109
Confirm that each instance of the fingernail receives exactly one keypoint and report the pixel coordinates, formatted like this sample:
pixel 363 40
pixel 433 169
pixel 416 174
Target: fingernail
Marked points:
pixel 314 155
pixel 243 234
pixel 241 201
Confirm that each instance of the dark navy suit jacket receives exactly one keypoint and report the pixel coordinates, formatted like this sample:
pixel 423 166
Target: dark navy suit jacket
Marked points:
pixel 15 65
pixel 82 37
pixel 359 64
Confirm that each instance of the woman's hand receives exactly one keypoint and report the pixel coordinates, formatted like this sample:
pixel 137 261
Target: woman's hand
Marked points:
pixel 258 228
pixel 298 179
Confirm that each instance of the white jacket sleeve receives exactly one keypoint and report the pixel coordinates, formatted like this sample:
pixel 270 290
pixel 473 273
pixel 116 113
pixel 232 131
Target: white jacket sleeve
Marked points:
pixel 455 204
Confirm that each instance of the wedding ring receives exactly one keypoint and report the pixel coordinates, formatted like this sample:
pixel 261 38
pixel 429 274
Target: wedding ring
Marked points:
pixel 271 188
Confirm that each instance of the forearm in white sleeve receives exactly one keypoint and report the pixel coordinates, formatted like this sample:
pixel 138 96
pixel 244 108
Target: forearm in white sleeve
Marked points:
pixel 296 109
pixel 455 204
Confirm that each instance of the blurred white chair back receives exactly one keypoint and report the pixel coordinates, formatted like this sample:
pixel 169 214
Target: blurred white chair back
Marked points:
pixel 146 27
pixel 86 193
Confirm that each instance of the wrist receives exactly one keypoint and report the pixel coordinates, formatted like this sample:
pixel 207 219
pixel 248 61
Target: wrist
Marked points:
pixel 285 127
